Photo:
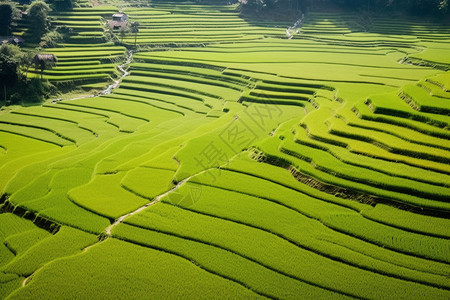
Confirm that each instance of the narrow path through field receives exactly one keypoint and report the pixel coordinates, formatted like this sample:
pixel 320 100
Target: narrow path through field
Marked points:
pixel 154 201
pixel 119 220
pixel 113 85
pixel 121 67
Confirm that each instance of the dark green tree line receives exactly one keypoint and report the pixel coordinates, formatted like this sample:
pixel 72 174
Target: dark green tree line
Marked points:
pixel 8 13
pixel 418 7
pixel 15 87
pixel 38 19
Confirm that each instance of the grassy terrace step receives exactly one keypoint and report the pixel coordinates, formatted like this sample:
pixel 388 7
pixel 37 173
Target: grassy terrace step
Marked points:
pixel 172 271
pixel 61 128
pixel 363 111
pixel 318 130
pixel 107 44
pixel 167 94
pixel 129 121
pixel 195 26
pixel 433 56
pixel 67 241
pixel 391 104
pixel 77 18
pixel 140 98
pixel 383 166
pixel 390 142
pixel 408 221
pixel 330 164
pixel 343 198
pixel 442 80
pixel 190 224
pixel 251 274
pixel 81 22
pixel 108 197
pixel 209 74
pixel 90 121
pixel 332 176
pixel 160 98
pixel 268 209
pixel 421 99
pixel 278 197
pixel 271 100
pixel 193 79
pixel 35 134
pixel 406 134
pixel 89 53
pixel 434 89
pixel 86 66
pixel 67 73
pixel 76 63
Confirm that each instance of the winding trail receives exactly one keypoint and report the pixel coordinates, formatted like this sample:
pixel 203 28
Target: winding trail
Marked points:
pixel 113 85
pixel 155 200
pixel 297 24
pixel 121 68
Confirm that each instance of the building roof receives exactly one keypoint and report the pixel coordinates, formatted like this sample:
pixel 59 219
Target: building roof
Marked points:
pixel 18 39
pixel 44 57
pixel 118 15
pixel 117 24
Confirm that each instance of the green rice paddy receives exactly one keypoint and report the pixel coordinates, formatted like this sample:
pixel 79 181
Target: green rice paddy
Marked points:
pixel 233 162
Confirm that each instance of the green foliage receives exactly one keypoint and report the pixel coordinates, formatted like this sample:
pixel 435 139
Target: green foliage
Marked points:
pixel 108 197
pixel 330 102
pixel 271 250
pixel 420 7
pixel 10 60
pixel 7 12
pixel 105 270
pixel 224 263
pixel 38 19
pixel 66 242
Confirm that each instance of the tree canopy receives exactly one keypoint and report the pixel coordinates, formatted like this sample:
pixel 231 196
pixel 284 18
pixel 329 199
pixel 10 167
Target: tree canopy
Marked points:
pixel 38 18
pixel 14 85
pixel 7 11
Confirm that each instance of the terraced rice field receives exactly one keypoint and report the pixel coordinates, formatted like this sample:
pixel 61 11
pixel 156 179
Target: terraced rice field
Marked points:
pixel 86 59
pixel 235 163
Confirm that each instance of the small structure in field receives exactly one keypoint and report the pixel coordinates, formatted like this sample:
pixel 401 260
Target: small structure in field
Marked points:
pixel 17 40
pixel 118 21
pixel 14 40
pixel 44 61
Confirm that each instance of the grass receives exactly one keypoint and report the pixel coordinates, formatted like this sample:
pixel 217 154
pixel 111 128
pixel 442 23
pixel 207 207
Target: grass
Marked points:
pixel 102 274
pixel 100 197
pixel 276 252
pixel 317 165
pixel 312 206
pixel 221 262
pixel 66 242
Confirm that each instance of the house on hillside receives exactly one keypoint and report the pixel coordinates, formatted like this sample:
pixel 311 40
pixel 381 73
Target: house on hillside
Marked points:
pixel 44 61
pixel 17 40
pixel 14 40
pixel 118 21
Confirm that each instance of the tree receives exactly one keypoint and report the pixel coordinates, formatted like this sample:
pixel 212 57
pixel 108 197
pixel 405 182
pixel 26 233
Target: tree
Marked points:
pixel 135 30
pixel 10 59
pixel 44 62
pixel 124 29
pixel 38 18
pixel 6 17
pixel 61 5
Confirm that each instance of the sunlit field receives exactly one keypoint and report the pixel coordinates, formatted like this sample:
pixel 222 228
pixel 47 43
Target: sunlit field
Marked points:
pixel 233 161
